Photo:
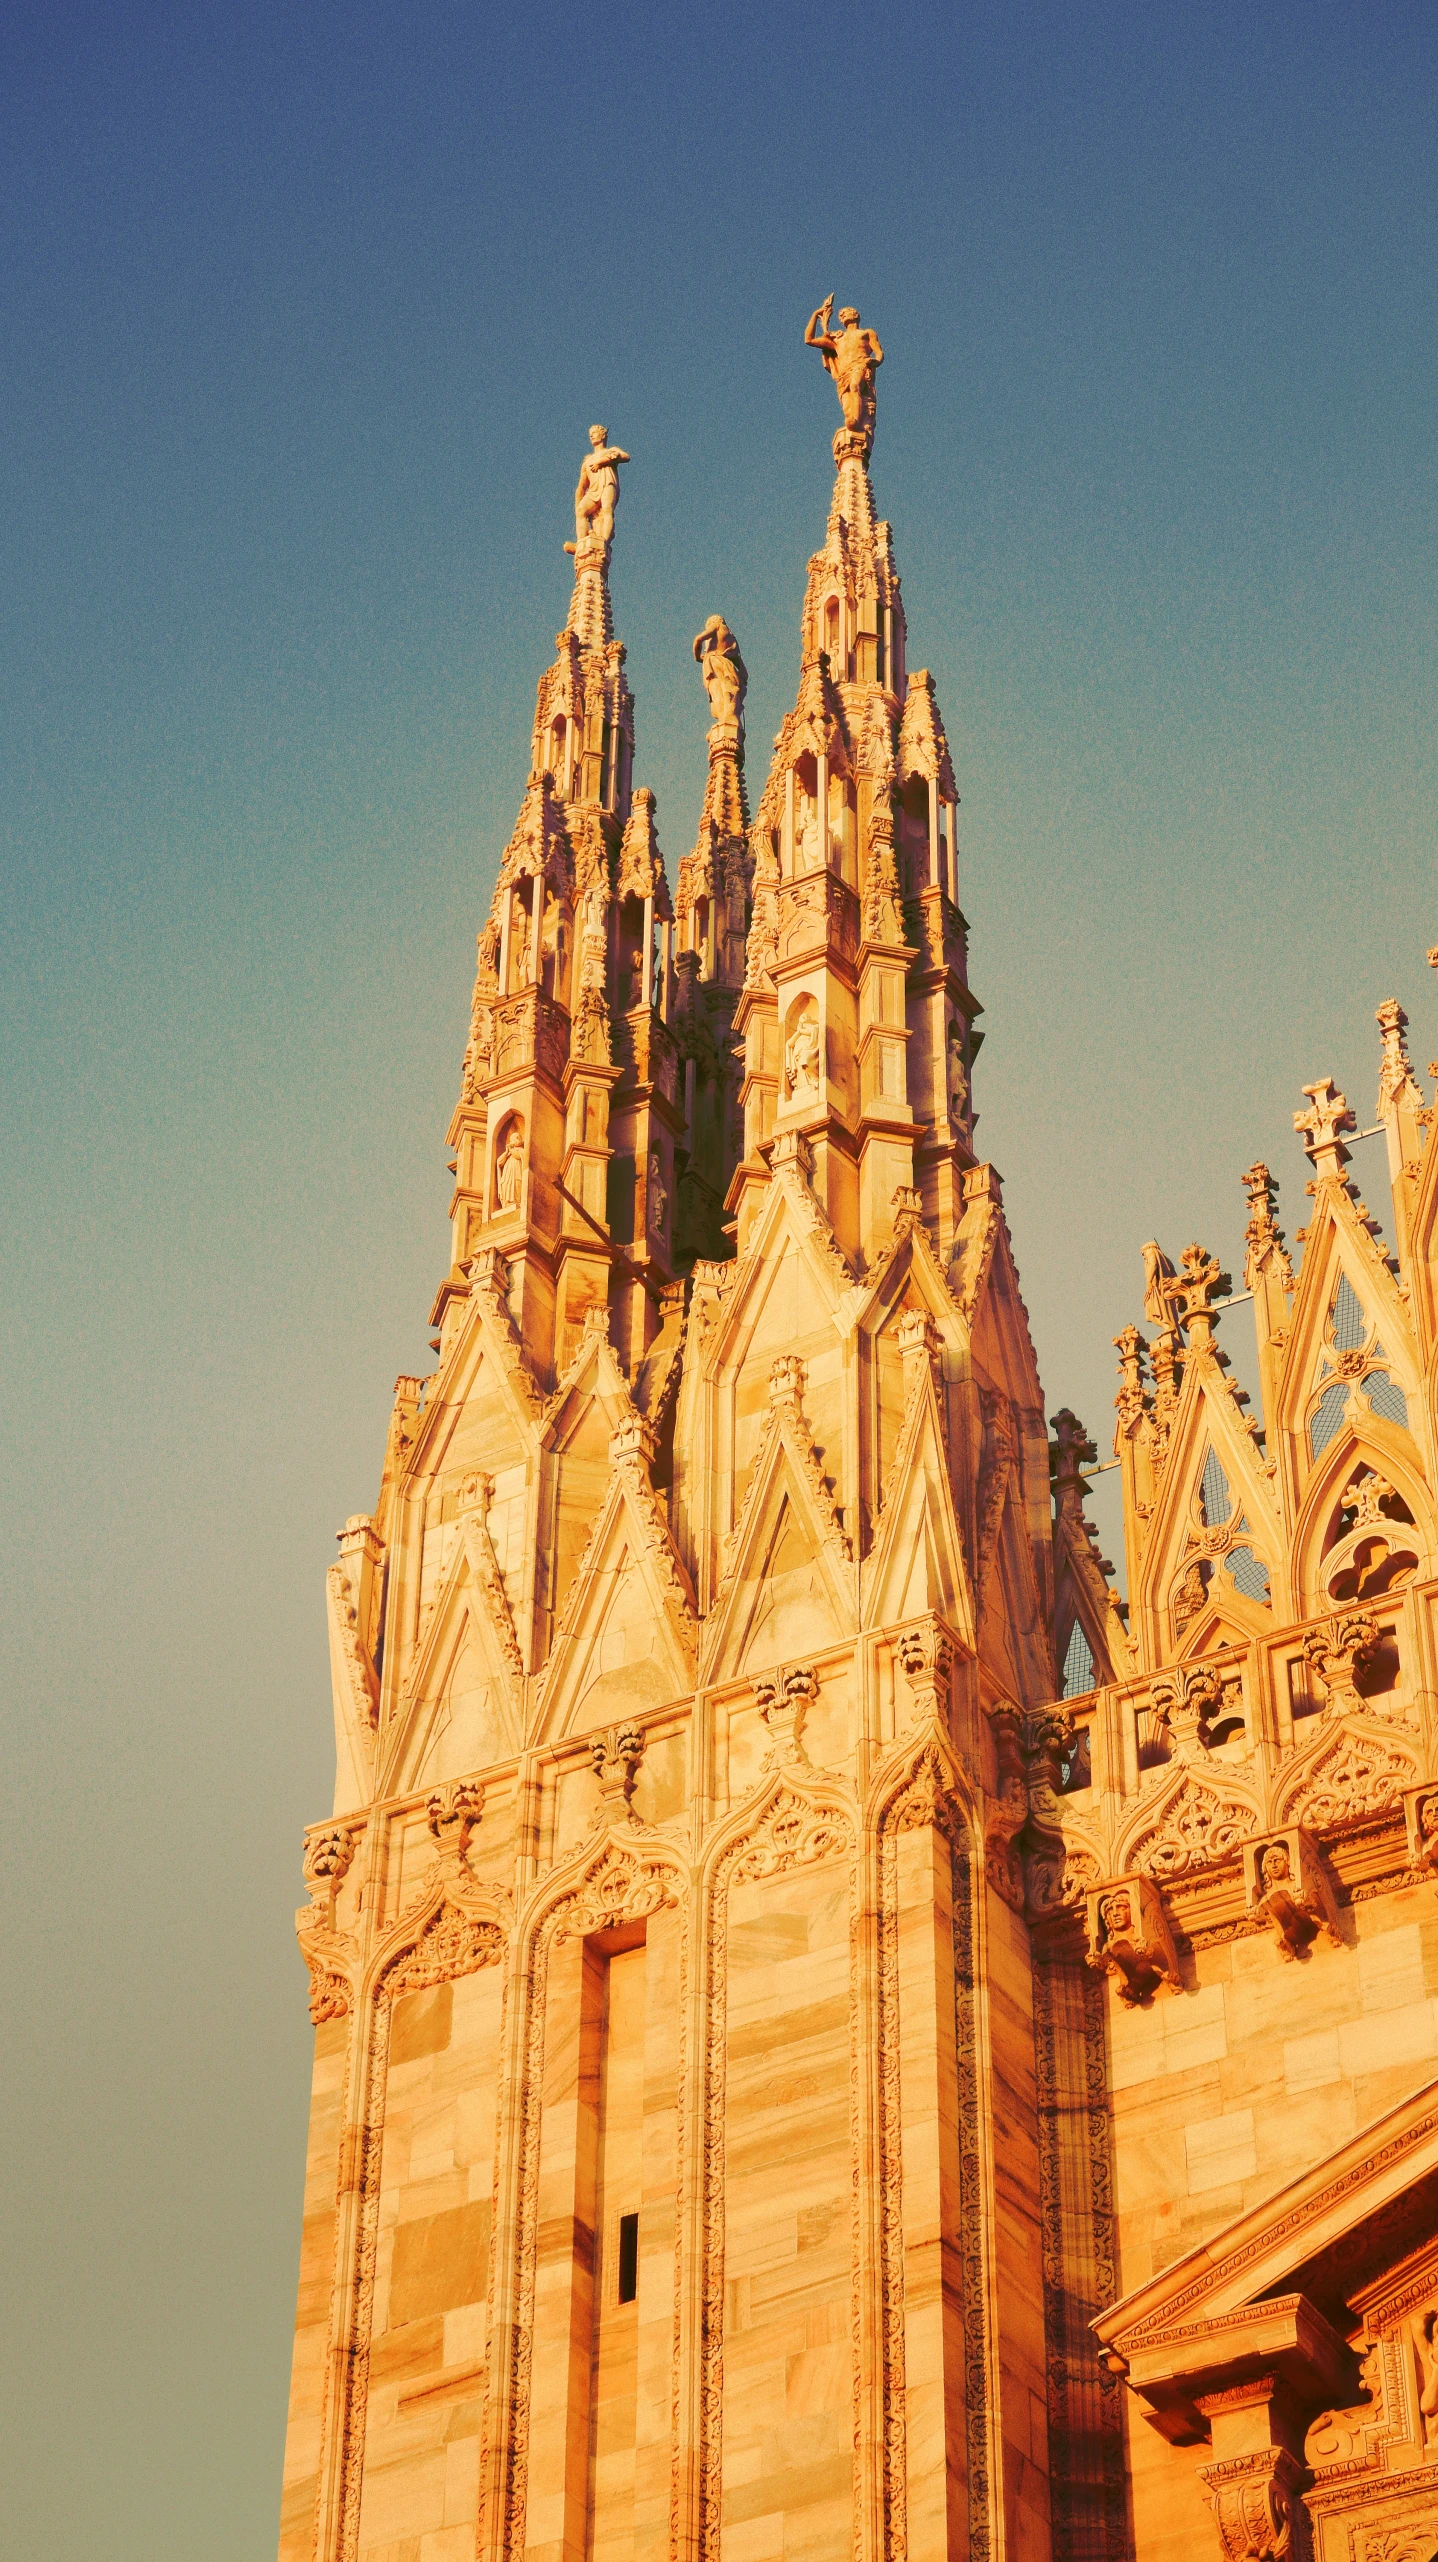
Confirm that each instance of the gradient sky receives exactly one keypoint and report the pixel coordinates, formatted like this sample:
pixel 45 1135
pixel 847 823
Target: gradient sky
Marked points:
pixel 306 313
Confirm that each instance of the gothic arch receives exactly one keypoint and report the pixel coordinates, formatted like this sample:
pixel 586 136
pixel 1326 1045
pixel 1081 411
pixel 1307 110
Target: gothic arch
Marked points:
pixel 1377 1446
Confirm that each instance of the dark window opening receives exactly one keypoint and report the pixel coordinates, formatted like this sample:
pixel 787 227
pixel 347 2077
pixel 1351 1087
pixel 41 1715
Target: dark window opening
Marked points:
pixel 628 2258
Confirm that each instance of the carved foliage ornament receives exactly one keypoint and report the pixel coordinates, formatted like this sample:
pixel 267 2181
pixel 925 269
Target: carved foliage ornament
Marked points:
pixel 795 1831
pixel 1353 1776
pixel 1196 1826
pixel 784 1699
pixel 1256 2505
pixel 1188 1699
pixel 1337 1651
pixel 331 1955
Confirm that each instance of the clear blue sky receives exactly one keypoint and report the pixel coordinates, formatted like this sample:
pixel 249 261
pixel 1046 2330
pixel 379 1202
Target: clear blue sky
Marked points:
pixel 306 312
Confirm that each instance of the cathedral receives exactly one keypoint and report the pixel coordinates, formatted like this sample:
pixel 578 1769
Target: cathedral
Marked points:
pixel 838 2039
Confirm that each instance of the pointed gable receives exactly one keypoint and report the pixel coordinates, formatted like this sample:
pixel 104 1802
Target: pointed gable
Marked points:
pixel 1214 1568
pixel 627 1635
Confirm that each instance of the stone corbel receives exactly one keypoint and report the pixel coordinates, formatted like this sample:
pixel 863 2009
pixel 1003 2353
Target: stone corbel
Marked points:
pixel 330 1953
pixel 1285 1885
pixel 1047 1738
pixel 926 1659
pixel 1255 2503
pixel 1006 1814
pixel 1420 1814
pixel 615 1755
pixel 784 1699
pixel 1127 1936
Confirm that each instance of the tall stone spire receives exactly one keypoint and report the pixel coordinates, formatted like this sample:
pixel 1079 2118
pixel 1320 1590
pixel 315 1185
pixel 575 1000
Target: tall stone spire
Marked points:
pixel 711 918
pixel 856 1013
pixel 566 1027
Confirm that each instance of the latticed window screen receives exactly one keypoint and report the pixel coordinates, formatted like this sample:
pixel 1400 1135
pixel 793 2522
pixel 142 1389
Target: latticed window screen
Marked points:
pixel 1078 1664
pixel 1216 1498
pixel 1348 1325
pixel 1249 1573
pixel 1385 1398
pixel 1327 1417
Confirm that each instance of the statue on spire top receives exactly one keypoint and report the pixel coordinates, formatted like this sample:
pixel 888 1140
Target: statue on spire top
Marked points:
pixel 597 495
pixel 725 675
pixel 852 356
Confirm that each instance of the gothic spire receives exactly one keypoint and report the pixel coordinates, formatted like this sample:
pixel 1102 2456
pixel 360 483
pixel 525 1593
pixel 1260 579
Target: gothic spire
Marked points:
pixel 856 1009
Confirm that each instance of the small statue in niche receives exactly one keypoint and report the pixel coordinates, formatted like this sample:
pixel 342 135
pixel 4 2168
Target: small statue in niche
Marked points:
pixel 657 1198
pixel 801 1055
pixel 509 1173
pixel 958 1076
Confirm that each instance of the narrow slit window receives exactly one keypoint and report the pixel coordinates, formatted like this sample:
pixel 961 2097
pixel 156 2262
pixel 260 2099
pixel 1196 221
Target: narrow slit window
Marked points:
pixel 628 2258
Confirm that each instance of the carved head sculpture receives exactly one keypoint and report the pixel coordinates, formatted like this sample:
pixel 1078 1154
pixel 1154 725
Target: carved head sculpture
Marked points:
pixel 1274 1866
pixel 848 317
pixel 1116 1914
pixel 598 436
pixel 1428 1818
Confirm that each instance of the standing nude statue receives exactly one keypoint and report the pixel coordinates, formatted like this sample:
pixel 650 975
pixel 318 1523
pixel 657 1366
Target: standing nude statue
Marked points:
pixel 597 494
pixel 852 356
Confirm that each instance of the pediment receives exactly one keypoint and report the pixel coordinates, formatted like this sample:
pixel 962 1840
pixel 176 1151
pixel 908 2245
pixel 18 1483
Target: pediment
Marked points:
pixel 1275 2288
pixel 1339 1248
pixel 916 1567
pixel 627 1638
pixel 1191 1541
pixel 787 1585
pixel 985 1281
pixel 911 1276
pixel 485 1361
pixel 459 1705
pixel 792 1277
pixel 591 1400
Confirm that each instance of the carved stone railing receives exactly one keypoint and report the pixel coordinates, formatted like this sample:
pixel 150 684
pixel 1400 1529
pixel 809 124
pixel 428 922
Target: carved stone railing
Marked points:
pixel 1259 1788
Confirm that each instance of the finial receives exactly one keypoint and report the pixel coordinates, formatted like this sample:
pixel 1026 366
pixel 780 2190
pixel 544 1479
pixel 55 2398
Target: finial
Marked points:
pixel 852 357
pixel 1396 1076
pixel 1200 1284
pixel 1327 1117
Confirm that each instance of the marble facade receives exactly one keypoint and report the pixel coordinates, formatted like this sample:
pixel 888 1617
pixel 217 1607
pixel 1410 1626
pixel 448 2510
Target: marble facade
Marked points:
pixel 833 2034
